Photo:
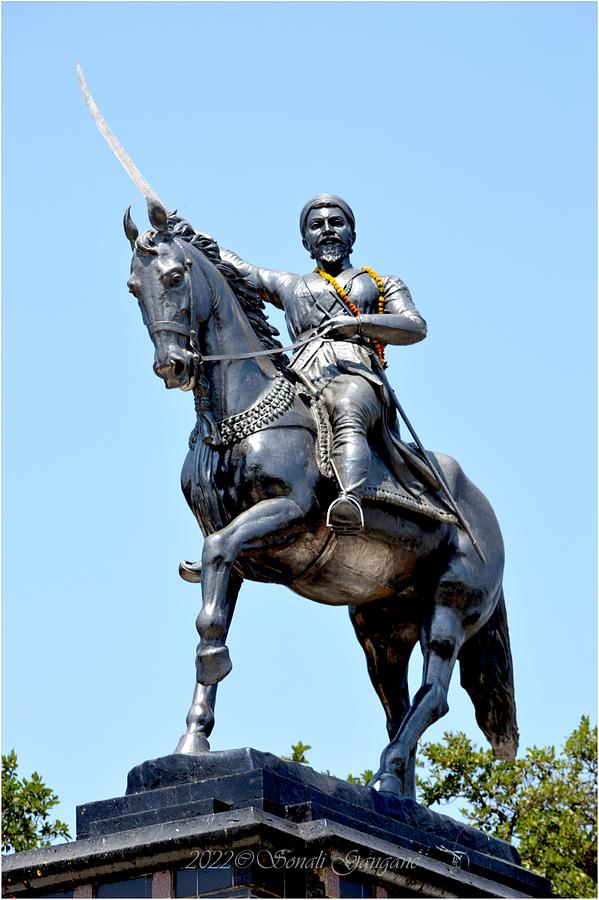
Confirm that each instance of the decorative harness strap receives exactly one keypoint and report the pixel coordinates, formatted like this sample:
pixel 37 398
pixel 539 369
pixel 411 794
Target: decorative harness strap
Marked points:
pixel 272 406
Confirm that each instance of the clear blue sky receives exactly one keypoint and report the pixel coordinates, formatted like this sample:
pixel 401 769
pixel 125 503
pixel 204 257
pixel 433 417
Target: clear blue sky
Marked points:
pixel 463 135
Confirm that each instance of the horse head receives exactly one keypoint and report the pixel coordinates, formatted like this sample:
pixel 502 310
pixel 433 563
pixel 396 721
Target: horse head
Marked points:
pixel 161 279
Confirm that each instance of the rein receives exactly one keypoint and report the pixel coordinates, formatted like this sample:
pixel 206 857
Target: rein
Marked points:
pixel 224 357
pixel 191 334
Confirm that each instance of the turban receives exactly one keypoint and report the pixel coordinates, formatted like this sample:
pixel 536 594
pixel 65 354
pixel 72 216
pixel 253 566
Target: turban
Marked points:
pixel 326 200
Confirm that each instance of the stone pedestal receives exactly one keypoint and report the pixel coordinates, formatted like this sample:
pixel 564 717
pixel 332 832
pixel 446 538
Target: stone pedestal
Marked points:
pixel 243 823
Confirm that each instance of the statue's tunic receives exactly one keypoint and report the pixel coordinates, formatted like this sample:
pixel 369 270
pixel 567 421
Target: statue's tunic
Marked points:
pixel 345 374
pixel 314 301
pixel 309 302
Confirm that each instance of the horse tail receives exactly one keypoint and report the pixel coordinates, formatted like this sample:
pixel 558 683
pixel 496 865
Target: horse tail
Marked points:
pixel 487 674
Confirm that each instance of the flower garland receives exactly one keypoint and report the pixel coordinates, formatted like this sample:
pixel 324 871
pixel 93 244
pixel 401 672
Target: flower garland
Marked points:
pixel 379 346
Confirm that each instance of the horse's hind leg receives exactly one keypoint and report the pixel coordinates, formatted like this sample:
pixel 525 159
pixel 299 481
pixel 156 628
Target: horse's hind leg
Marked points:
pixel 388 644
pixel 441 641
pixel 200 718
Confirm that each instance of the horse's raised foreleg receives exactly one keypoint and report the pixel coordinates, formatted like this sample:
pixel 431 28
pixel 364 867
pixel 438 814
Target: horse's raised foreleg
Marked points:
pixel 200 718
pixel 265 524
pixel 441 642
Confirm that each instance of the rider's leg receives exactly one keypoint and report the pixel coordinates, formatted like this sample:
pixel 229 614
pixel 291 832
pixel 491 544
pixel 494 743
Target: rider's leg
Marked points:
pixel 354 409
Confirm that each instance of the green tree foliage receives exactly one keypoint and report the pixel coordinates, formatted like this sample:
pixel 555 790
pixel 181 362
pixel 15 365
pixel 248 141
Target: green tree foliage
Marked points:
pixel 544 802
pixel 298 753
pixel 25 806
pixel 364 778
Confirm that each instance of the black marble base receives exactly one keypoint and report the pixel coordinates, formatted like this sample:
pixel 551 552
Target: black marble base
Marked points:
pixel 179 787
pixel 180 812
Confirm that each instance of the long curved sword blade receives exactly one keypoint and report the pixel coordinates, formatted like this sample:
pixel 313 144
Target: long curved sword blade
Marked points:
pixel 119 151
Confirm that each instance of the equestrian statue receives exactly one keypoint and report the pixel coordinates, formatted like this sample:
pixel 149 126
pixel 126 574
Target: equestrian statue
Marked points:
pixel 297 472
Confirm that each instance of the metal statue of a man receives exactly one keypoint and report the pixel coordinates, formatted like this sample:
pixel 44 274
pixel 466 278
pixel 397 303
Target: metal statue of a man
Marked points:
pixel 256 472
pixel 356 312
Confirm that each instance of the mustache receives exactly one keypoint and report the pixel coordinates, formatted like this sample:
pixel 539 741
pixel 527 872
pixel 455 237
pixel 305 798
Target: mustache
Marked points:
pixel 330 248
pixel 330 240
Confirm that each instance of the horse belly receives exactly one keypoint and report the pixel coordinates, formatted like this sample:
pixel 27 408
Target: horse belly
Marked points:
pixel 356 569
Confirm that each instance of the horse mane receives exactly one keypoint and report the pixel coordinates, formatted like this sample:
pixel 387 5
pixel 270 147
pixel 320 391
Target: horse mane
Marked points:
pixel 245 292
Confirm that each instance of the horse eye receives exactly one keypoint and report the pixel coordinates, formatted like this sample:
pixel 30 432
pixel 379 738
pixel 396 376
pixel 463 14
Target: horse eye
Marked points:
pixel 172 279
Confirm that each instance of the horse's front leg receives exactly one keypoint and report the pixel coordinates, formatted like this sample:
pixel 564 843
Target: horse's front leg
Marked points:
pixel 200 718
pixel 265 524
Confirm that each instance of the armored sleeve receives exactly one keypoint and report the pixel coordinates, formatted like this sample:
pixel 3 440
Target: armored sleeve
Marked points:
pixel 398 300
pixel 270 284
pixel 400 322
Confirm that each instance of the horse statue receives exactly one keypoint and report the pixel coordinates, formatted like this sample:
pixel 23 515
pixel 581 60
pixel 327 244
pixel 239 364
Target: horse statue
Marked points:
pixel 258 480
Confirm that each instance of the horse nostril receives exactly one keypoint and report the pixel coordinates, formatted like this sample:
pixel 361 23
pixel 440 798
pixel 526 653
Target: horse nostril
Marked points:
pixel 178 366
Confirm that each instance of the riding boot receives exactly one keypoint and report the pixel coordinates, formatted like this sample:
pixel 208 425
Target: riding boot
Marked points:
pixel 353 409
pixel 345 514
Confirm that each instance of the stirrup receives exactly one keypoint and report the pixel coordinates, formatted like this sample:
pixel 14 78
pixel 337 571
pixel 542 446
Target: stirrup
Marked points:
pixel 345 515
pixel 190 571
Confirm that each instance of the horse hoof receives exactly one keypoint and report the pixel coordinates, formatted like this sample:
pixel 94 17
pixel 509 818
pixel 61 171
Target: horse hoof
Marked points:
pixel 213 664
pixel 193 744
pixel 387 783
pixel 375 781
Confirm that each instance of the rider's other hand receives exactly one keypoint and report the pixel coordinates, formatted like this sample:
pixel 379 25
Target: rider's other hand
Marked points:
pixel 340 328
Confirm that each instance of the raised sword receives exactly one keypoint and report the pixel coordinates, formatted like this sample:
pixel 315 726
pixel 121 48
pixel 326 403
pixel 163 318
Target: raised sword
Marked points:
pixel 117 148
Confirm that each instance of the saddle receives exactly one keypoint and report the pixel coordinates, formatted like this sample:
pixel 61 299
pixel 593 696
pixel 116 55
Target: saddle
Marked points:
pixel 398 476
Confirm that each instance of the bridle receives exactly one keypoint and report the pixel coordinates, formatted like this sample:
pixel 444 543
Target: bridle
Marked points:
pixel 166 325
pixel 191 334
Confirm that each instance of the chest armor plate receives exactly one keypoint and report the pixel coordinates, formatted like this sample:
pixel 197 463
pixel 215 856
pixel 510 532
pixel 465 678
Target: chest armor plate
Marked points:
pixel 319 301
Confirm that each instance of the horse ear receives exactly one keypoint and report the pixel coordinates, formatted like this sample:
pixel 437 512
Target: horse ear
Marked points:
pixel 130 227
pixel 157 214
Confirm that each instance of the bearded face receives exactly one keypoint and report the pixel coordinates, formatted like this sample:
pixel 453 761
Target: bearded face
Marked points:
pixel 332 251
pixel 328 235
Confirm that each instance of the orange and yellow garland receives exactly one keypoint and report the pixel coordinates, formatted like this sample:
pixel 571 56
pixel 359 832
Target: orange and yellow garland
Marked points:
pixel 379 346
